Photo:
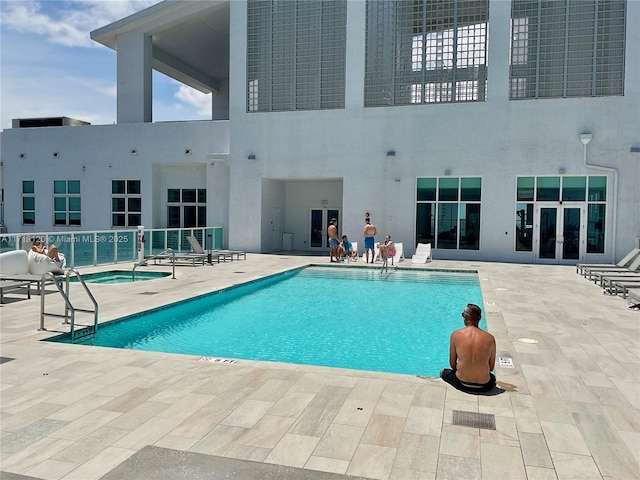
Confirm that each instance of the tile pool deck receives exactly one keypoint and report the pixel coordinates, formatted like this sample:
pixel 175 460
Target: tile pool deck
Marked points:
pixel 570 409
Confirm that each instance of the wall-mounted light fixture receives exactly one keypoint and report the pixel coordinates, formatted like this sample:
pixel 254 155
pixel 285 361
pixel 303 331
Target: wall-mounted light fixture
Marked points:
pixel 23 155
pixel 84 168
pixel 391 154
pixel 251 157
pixel 585 138
pixel 562 170
pixel 134 152
pixel 634 149
pixel 187 151
pixel 56 154
pixel 447 172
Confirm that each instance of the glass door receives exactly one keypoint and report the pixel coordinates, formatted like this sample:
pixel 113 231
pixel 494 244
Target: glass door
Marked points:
pixel 559 234
pixel 319 219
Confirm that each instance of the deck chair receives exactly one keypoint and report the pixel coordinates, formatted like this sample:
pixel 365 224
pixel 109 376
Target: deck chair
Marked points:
pixel 423 253
pixel 399 256
pixel 354 248
pixel 596 273
pixel 580 267
pixel 218 255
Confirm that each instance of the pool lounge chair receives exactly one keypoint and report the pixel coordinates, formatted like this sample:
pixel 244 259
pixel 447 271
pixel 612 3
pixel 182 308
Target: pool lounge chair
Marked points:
pixel 634 297
pixel 628 258
pixel 354 248
pixel 596 274
pixel 399 256
pixel 217 255
pixel 614 286
pixel 423 253
pixel 11 285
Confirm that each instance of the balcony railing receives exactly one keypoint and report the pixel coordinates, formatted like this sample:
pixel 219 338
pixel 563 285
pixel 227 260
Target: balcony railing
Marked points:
pixel 101 247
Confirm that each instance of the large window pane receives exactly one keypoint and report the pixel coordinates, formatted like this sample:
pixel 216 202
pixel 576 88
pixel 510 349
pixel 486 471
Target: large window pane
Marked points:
pixel 190 219
pixel 133 187
pixel 597 189
pixel 189 195
pixel 59 186
pixel 74 204
pixel 525 189
pixel 117 205
pixel 28 203
pixel 173 195
pixel 425 223
pixel 448 189
pixel 471 189
pixel 173 217
pixel 524 227
pixel 447 226
pixel 28 186
pixel 574 188
pixel 426 189
pixel 60 204
pixel 74 187
pixel 29 218
pixel 595 228
pixel 470 226
pixel 548 189
pixel 135 204
pixel 117 187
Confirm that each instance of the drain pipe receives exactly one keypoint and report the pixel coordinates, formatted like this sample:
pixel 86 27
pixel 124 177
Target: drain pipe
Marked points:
pixel 585 138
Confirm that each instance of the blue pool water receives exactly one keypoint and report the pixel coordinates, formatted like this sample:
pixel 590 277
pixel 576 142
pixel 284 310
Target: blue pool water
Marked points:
pixel 120 276
pixel 340 317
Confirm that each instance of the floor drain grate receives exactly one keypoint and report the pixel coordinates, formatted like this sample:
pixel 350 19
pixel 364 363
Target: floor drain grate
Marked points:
pixel 148 293
pixel 474 420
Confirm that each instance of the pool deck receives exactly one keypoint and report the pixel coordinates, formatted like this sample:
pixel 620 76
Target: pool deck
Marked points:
pixel 570 408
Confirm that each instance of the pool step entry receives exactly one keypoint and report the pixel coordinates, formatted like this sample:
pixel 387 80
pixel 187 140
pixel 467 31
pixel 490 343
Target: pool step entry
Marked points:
pixel 77 331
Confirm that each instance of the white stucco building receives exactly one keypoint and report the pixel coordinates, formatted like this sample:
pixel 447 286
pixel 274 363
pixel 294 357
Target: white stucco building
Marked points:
pixel 493 129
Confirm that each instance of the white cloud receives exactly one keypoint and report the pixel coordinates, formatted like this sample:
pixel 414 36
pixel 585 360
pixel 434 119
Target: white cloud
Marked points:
pixel 201 101
pixel 70 22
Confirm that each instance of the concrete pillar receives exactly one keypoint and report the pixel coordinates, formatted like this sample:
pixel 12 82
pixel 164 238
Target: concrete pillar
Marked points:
pixel 134 85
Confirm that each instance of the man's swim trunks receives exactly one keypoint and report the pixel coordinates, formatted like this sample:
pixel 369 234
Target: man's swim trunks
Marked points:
pixel 449 376
pixel 368 243
pixel 333 243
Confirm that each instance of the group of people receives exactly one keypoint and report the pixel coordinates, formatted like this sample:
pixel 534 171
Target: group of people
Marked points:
pixel 344 249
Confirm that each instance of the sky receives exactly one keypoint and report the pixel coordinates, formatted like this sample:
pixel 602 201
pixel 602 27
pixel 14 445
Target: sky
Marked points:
pixel 50 67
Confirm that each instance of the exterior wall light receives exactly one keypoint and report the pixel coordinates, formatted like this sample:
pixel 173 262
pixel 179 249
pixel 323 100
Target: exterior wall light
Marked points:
pixel 134 152
pixel 251 157
pixel 187 151
pixel 56 154
pixel 447 172
pixel 391 154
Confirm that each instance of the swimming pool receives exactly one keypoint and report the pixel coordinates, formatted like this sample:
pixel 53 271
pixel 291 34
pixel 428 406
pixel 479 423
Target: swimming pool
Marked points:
pixel 120 276
pixel 331 316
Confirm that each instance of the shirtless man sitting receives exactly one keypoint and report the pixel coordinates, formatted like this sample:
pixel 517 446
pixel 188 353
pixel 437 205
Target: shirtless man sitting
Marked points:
pixel 472 355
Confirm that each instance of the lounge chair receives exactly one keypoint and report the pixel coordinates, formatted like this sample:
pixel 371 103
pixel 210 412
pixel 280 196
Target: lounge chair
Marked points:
pixel 628 258
pixel 399 256
pixel 596 274
pixel 634 297
pixel 180 257
pixel 218 255
pixel 423 253
pixel 354 248
pixel 614 286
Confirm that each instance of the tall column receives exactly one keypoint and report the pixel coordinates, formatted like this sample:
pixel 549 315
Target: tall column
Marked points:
pixel 134 85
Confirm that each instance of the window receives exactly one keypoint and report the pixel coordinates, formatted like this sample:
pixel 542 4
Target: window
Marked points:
pixel 126 203
pixel 66 202
pixel 28 202
pixel 448 212
pixel 425 51
pixel 186 207
pixel 567 48
pixel 591 190
pixel 296 54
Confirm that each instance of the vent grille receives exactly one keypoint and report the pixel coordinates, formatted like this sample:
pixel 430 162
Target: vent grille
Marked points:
pixel 474 420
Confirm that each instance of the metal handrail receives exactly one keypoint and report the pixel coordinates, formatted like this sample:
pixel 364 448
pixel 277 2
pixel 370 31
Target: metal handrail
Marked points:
pixel 68 305
pixel 144 262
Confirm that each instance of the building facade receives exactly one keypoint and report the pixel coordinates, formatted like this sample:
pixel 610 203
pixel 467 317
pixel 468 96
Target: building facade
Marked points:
pixel 494 130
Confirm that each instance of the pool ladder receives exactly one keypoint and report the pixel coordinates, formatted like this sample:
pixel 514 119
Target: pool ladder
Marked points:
pixel 69 310
pixel 158 255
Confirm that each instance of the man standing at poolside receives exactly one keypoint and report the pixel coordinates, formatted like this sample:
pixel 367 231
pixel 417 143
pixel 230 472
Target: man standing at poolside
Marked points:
pixel 332 233
pixel 472 355
pixel 369 234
